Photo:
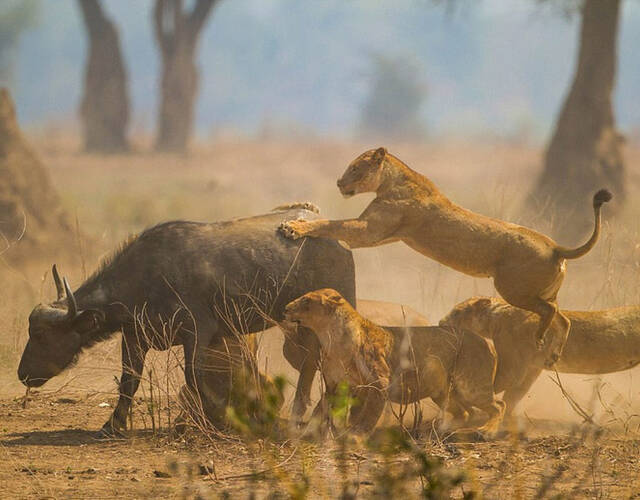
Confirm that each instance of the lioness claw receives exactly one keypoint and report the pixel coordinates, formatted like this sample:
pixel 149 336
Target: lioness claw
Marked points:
pixel 288 231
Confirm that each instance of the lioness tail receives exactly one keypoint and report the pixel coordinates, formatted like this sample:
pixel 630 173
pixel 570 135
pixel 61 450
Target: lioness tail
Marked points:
pixel 602 196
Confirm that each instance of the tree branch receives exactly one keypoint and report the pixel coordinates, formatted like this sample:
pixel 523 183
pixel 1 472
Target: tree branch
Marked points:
pixel 93 16
pixel 158 17
pixel 198 16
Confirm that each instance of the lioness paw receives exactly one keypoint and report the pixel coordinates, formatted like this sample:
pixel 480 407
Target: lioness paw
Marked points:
pixel 292 229
pixel 304 205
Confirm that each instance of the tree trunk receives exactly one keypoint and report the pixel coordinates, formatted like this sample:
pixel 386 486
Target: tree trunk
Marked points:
pixel 32 221
pixel 177 34
pixel 585 153
pixel 105 104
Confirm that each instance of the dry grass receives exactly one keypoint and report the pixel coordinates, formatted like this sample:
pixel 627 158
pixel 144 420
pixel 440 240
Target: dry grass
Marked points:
pixel 116 195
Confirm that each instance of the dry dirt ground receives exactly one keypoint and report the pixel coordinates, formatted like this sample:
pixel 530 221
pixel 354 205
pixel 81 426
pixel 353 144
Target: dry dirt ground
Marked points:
pixel 49 449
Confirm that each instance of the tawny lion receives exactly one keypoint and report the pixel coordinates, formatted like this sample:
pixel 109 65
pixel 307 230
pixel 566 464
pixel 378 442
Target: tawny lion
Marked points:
pixel 397 364
pixel 603 341
pixel 527 267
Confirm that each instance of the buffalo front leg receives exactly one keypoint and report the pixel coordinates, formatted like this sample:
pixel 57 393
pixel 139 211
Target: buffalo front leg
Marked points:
pixel 132 365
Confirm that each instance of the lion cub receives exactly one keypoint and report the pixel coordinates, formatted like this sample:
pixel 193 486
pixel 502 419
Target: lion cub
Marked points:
pixel 527 267
pixel 397 364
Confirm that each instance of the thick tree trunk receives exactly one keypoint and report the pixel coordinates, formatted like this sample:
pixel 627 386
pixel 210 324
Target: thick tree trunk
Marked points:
pixel 105 104
pixel 32 221
pixel 177 34
pixel 585 153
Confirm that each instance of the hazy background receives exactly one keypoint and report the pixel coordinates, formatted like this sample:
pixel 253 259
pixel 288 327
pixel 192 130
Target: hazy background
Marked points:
pixel 491 68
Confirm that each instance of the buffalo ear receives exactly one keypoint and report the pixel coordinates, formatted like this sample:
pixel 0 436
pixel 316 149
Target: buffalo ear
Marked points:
pixel 379 154
pixel 89 320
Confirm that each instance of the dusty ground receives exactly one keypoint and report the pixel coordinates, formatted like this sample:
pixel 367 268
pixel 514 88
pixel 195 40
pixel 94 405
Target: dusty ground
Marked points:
pixel 49 449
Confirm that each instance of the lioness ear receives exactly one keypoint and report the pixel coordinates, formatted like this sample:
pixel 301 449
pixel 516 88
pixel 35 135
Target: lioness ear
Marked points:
pixel 379 154
pixel 482 302
pixel 88 320
pixel 335 298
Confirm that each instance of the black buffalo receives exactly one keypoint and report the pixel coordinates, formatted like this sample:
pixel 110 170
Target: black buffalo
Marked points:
pixel 200 281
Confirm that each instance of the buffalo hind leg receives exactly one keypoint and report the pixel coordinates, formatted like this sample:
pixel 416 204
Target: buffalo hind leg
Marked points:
pixel 132 365
pixel 205 394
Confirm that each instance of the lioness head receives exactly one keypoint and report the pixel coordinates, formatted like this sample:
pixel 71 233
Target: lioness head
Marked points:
pixel 322 312
pixel 364 174
pixel 469 315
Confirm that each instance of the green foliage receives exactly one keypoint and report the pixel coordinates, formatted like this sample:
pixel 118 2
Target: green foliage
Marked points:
pixel 341 403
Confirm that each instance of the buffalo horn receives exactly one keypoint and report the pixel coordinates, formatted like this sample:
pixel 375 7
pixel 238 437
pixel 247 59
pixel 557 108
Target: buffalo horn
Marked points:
pixel 73 307
pixel 58 282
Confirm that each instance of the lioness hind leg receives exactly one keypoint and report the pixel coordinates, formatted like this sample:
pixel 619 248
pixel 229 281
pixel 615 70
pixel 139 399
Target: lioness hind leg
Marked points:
pixel 546 309
pixel 556 346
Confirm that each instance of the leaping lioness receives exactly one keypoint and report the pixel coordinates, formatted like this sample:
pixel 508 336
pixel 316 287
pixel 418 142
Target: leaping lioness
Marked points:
pixel 527 267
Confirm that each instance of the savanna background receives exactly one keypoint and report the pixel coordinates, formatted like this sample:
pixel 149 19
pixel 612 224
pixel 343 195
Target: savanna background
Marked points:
pixel 132 113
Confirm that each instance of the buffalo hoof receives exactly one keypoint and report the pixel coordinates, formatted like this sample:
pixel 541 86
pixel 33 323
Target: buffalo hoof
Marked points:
pixel 180 426
pixel 111 431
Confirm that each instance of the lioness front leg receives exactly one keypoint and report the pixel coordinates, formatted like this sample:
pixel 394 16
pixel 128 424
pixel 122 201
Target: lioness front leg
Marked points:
pixel 377 225
pixel 354 232
pixel 302 350
pixel 364 416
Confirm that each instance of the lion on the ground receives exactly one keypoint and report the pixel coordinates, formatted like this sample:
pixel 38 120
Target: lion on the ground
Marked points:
pixel 397 364
pixel 601 342
pixel 527 267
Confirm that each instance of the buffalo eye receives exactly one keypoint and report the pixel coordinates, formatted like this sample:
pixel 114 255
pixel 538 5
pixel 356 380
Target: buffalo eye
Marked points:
pixel 88 321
